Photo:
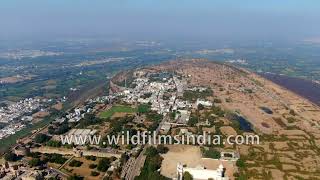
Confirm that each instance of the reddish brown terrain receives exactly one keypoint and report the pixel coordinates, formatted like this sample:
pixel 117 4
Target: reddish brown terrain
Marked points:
pixel 289 136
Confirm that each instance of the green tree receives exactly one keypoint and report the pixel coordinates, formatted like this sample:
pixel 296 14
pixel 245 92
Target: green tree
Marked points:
pixel 61 129
pixel 192 121
pixel 151 166
pixel 41 138
pixel 35 162
pixel 153 116
pixel 240 163
pixel 151 151
pixel 144 108
pixel 94 173
pixel 212 153
pixel 103 165
pixel 92 158
pixel 55 158
pixel 92 166
pixel 10 157
pixel 75 163
pixel 53 143
pixel 187 176
pixel 162 149
pixel 75 177
pixel 89 119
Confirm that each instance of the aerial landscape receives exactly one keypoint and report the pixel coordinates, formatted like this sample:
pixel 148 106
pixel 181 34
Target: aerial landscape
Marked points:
pixel 117 90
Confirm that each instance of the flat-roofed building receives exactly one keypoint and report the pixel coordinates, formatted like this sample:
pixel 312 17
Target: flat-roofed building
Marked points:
pixel 200 173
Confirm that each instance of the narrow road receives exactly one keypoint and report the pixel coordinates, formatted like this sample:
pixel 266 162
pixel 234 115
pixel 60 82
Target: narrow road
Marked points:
pixel 65 163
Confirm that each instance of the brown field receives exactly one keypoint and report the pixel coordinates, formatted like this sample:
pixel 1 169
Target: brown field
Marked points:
pixel 84 169
pixel 121 114
pixel 57 106
pixel 15 79
pixel 40 114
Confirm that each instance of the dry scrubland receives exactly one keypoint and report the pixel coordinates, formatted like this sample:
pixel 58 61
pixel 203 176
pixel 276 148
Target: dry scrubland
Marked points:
pixel 289 136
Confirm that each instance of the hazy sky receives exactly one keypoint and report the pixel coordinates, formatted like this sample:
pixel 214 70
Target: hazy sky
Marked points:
pixel 161 19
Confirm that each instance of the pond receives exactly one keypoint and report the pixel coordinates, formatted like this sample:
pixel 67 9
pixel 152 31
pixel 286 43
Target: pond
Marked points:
pixel 243 123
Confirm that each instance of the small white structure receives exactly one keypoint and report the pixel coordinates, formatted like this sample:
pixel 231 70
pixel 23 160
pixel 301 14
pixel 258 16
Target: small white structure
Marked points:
pixel 204 103
pixel 27 118
pixel 200 173
pixel 126 92
pixel 77 111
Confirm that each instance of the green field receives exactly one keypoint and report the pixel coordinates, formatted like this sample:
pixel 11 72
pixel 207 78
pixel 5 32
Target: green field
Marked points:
pixel 114 109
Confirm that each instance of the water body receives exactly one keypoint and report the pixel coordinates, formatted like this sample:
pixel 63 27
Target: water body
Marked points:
pixel 244 125
pixel 305 88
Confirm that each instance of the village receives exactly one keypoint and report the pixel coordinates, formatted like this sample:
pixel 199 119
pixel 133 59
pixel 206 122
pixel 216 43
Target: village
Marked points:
pixel 15 116
pixel 157 97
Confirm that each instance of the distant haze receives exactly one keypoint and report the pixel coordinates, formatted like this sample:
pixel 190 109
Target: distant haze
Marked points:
pixel 162 19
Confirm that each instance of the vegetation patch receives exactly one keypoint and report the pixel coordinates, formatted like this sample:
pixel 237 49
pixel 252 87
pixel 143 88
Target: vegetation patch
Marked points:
pixel 211 153
pixel 144 108
pixel 103 164
pixel 194 95
pixel 75 163
pixel 151 166
pixel 114 109
pixel 55 158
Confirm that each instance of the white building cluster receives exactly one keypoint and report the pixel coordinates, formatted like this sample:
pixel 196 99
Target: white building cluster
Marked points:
pixel 162 95
pixel 78 113
pixel 17 109
pixel 16 114
pixel 10 129
pixel 153 92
